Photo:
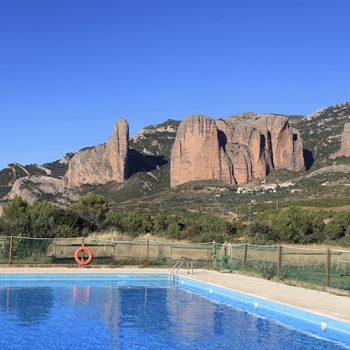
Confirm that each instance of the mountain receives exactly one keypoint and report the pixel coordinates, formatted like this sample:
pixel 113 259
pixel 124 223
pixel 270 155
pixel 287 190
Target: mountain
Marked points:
pixel 246 158
pixel 14 172
pixel 321 132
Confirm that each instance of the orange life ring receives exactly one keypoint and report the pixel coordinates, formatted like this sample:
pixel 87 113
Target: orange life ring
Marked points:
pixel 79 260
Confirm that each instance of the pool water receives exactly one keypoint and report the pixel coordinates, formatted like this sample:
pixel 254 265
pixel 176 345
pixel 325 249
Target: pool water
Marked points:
pixel 142 314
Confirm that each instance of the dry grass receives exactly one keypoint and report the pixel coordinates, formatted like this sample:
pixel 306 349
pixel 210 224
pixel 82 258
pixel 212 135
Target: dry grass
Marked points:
pixel 337 209
pixel 168 249
pixel 118 236
pixel 318 246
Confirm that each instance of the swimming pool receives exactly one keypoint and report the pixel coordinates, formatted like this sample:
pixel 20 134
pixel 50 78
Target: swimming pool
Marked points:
pixel 150 312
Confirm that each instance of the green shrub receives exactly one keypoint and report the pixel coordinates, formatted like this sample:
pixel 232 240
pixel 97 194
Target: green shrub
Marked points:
pixel 261 233
pixel 339 226
pixel 92 208
pixel 41 219
pixel 290 225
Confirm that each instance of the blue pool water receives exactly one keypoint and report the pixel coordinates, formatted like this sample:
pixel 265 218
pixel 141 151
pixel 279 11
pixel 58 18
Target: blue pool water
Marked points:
pixel 136 313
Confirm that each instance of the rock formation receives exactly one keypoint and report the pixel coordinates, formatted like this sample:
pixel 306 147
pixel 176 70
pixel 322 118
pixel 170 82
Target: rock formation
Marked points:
pixel 196 153
pixel 234 150
pixel 32 188
pixel 345 143
pixel 101 164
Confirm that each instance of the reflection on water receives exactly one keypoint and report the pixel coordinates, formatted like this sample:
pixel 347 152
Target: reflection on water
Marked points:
pixel 189 313
pixel 81 295
pixel 29 305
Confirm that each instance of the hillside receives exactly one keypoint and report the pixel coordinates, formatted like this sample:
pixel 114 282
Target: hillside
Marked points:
pixel 326 182
pixel 321 132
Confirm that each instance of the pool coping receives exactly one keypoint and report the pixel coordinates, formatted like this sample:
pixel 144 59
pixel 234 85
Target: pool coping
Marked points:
pixel 313 323
pixel 269 299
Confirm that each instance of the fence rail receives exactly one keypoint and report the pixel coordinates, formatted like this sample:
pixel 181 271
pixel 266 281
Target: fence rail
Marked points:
pixel 322 267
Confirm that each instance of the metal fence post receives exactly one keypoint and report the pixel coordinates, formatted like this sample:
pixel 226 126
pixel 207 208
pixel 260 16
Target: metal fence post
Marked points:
pixel 54 247
pixel 214 255
pixel 230 255
pixel 171 253
pixel 113 247
pixel 11 250
pixel 222 257
pixel 328 264
pixel 279 260
pixel 245 257
pixel 147 250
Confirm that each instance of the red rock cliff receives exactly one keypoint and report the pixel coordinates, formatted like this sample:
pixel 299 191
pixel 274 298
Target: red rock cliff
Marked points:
pixel 101 164
pixel 234 150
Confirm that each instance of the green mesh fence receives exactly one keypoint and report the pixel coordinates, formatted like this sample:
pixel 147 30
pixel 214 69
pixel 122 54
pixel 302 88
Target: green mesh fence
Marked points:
pixel 60 251
pixel 261 260
pixel 4 250
pixel 339 269
pixel 306 265
pixel 319 267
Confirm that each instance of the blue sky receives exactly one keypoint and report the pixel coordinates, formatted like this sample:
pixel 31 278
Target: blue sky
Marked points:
pixel 70 68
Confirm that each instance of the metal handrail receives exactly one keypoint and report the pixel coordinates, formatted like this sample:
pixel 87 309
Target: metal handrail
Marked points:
pixel 179 264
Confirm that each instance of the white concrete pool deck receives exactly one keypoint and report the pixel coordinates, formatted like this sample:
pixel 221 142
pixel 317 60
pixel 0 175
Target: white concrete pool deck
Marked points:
pixel 318 302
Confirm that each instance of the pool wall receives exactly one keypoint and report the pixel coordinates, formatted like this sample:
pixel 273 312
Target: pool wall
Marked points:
pixel 323 326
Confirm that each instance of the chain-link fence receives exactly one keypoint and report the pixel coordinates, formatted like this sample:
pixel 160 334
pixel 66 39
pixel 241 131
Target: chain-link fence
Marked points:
pixel 322 267
pixel 60 251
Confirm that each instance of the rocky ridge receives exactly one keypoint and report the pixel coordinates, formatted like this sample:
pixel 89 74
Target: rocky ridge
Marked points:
pixel 234 150
pixel 32 188
pixel 156 140
pixel 322 132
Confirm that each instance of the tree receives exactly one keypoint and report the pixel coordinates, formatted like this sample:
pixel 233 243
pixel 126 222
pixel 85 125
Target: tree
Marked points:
pixel 93 208
pixel 14 220
pixel 338 226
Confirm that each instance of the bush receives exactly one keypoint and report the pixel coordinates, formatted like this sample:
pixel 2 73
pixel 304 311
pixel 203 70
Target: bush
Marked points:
pixel 133 223
pixel 261 233
pixel 291 225
pixel 42 219
pixel 197 228
pixel 339 226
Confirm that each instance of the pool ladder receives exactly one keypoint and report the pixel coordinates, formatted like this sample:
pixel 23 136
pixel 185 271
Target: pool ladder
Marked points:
pixel 179 263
